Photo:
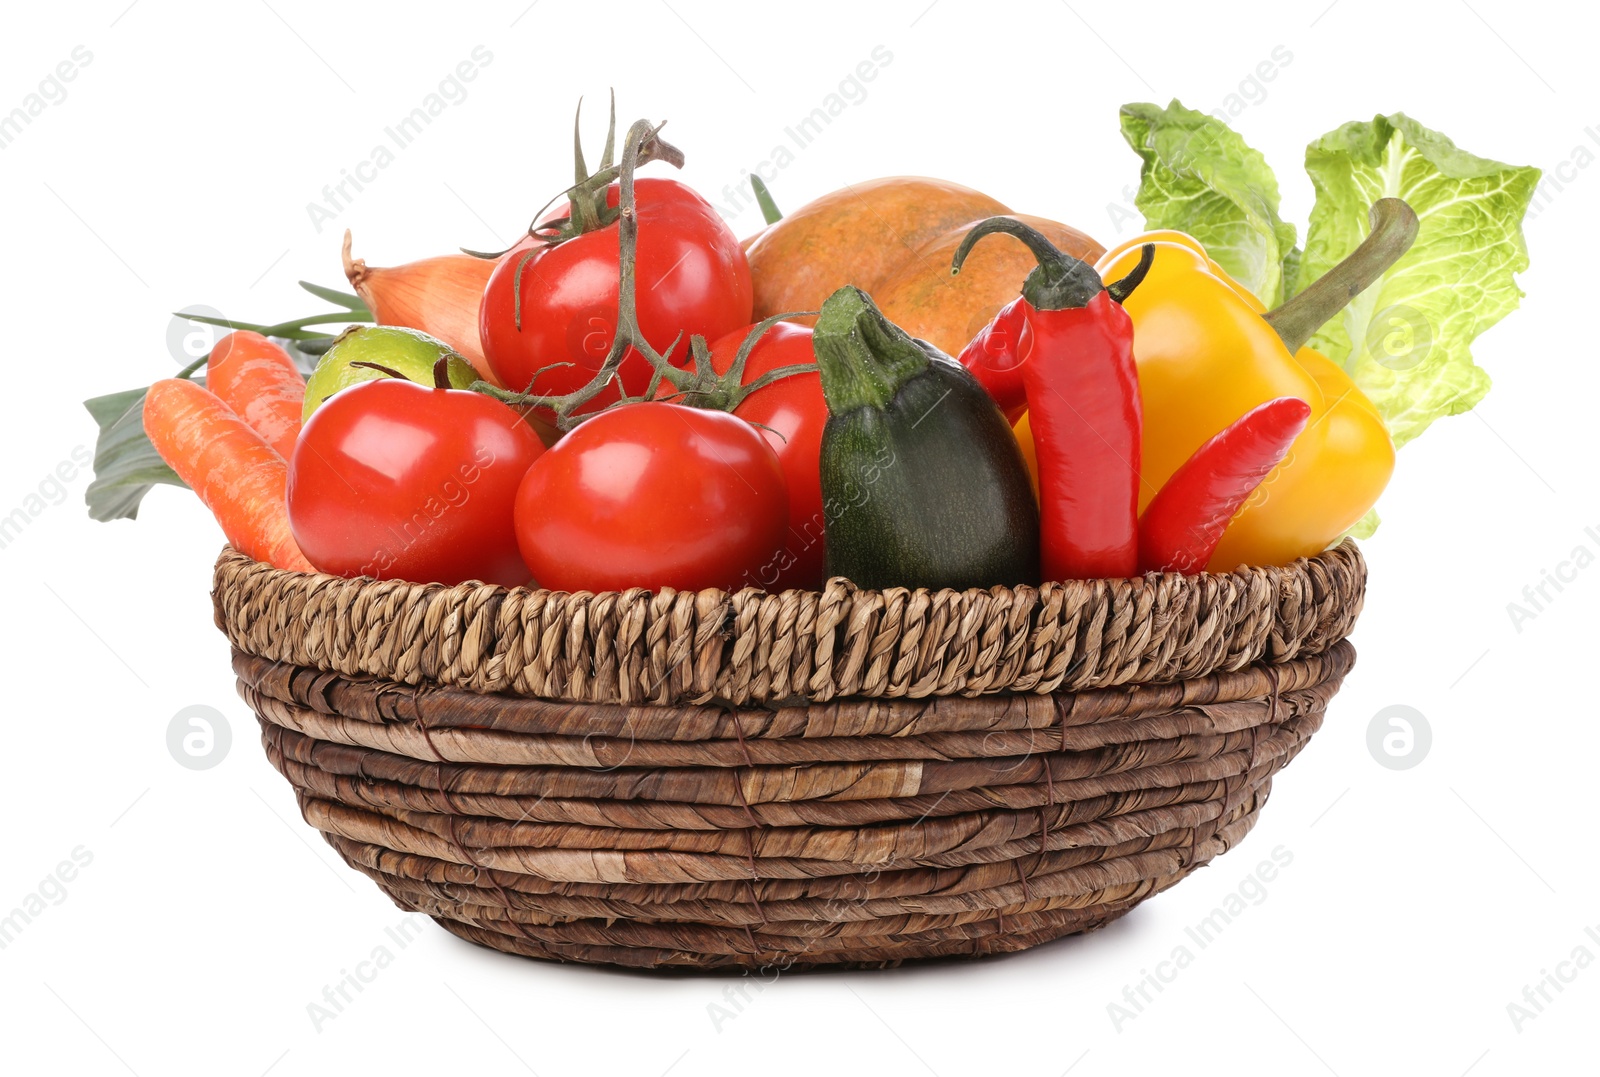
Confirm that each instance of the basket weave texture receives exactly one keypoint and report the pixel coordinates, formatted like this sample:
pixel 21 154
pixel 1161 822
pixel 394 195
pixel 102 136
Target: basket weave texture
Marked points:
pixel 841 777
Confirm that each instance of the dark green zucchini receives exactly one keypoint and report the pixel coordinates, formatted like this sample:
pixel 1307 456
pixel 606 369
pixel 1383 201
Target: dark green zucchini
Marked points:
pixel 923 484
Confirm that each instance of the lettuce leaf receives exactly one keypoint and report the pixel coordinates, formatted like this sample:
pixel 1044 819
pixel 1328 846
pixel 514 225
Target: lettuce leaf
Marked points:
pixel 1198 176
pixel 1405 340
pixel 1363 528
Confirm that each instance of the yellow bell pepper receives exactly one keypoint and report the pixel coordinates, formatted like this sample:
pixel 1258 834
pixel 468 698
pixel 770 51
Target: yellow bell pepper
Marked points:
pixel 1207 355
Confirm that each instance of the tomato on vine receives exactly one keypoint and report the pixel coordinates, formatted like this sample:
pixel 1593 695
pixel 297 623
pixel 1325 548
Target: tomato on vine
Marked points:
pixel 650 492
pixel 549 313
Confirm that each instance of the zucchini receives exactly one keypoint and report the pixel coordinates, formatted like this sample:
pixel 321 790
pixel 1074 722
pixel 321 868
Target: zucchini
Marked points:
pixel 923 484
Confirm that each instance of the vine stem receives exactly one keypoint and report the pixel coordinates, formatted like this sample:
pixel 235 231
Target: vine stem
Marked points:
pixel 590 187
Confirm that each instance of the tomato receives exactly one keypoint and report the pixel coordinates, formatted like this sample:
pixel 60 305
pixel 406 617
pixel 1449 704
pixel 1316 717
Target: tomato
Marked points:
pixel 401 481
pixel 790 413
pixel 692 277
pixel 653 495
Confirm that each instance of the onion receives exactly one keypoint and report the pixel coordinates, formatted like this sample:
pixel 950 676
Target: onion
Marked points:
pixel 439 296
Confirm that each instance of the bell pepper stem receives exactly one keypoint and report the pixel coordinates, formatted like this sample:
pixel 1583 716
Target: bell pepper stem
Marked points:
pixel 1394 229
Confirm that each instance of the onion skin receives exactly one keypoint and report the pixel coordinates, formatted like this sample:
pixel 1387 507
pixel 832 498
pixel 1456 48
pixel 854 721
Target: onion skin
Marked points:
pixel 439 296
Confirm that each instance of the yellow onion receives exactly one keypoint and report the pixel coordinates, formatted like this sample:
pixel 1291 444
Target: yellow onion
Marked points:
pixel 439 296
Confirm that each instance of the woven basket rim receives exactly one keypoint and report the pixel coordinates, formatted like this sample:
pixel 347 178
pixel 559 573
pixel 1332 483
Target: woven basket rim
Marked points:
pixel 833 583
pixel 754 647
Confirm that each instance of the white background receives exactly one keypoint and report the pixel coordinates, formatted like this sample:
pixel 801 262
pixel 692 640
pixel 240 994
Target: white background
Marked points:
pixel 1419 903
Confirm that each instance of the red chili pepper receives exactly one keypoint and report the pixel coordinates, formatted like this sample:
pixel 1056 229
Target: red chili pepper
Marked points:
pixel 1184 522
pixel 1082 392
pixel 995 357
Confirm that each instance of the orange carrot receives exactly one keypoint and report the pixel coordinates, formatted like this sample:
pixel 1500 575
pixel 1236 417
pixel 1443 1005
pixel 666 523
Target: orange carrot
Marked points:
pixel 258 380
pixel 238 476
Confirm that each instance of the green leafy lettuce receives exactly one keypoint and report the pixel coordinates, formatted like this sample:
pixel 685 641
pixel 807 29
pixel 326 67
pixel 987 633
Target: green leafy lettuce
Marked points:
pixel 1198 176
pixel 1406 340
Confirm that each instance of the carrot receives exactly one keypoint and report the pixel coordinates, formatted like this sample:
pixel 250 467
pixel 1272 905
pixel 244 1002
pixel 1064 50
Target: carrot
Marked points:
pixel 258 380
pixel 238 476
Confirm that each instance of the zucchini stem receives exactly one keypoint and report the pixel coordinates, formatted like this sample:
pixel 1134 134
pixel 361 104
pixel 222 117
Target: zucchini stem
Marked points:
pixel 864 358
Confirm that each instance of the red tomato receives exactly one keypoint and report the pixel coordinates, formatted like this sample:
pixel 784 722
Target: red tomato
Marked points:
pixel 400 481
pixel 692 277
pixel 790 413
pixel 653 495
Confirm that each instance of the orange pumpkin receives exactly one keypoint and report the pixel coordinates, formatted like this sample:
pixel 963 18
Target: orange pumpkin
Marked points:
pixel 947 310
pixel 862 234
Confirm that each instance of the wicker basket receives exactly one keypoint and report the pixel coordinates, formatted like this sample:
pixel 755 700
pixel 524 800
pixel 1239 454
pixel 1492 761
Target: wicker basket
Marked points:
pixel 841 777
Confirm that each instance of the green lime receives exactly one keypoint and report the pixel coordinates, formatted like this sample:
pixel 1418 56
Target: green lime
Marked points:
pixel 407 352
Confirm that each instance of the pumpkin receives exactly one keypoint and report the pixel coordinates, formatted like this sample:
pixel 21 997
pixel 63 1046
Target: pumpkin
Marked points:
pixel 946 310
pixel 894 238
pixel 862 234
